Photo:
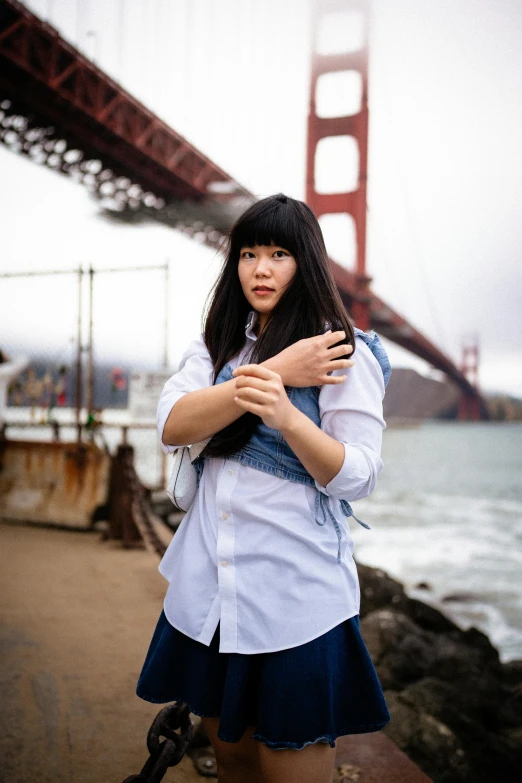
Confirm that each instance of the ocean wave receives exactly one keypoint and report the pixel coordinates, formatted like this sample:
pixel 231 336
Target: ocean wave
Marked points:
pixel 412 505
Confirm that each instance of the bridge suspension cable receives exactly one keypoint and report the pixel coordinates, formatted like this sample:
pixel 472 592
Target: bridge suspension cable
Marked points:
pixel 418 254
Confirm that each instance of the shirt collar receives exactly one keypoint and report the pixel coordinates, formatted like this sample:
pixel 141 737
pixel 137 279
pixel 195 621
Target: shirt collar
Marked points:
pixel 251 322
pixel 252 319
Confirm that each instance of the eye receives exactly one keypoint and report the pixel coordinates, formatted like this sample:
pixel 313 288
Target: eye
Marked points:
pixel 283 253
pixel 246 253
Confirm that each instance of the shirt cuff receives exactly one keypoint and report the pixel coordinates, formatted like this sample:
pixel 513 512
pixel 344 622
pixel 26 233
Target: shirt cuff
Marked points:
pixel 358 474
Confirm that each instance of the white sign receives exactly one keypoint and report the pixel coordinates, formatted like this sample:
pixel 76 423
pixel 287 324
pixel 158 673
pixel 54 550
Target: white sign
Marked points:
pixel 144 392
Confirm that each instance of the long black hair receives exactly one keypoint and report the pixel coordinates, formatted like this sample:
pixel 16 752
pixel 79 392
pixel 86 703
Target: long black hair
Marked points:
pixel 310 300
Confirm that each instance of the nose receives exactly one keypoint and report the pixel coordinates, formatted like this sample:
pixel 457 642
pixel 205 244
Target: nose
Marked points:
pixel 262 265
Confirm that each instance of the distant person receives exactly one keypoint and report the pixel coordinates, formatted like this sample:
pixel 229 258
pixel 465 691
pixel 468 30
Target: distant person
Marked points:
pixel 10 369
pixel 259 631
pixel 94 427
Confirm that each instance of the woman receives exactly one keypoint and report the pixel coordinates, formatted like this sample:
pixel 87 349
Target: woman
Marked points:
pixel 259 632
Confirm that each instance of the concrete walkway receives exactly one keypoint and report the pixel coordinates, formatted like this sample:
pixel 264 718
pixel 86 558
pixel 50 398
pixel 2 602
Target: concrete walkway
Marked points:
pixel 76 618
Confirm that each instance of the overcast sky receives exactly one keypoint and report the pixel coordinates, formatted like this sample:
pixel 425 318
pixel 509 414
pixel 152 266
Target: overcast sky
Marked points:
pixel 445 170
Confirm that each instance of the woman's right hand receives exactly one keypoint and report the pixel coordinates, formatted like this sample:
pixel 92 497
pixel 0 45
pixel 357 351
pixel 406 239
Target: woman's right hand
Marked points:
pixel 307 362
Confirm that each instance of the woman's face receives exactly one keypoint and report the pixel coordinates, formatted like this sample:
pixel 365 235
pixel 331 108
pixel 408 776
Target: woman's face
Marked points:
pixel 265 267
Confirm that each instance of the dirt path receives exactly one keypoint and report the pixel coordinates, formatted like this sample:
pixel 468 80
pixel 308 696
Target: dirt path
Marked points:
pixel 76 618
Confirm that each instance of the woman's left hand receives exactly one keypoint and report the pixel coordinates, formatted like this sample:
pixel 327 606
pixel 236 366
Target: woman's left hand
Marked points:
pixel 261 391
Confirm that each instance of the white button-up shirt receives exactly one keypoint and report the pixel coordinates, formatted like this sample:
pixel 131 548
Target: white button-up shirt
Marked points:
pixel 248 553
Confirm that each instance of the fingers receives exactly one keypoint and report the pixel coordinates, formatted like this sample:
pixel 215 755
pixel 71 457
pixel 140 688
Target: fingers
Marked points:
pixel 340 350
pixel 253 382
pixel 256 370
pixel 330 338
pixel 249 394
pixel 248 405
pixel 332 379
pixel 340 364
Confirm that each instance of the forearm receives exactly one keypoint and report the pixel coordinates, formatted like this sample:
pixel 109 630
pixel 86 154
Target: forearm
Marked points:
pixel 201 413
pixel 321 455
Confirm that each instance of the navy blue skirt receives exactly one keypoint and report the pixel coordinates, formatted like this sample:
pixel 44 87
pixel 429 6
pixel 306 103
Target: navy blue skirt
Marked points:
pixel 311 693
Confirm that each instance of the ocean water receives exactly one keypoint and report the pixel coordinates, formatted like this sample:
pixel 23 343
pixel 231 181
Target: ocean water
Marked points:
pixel 447 511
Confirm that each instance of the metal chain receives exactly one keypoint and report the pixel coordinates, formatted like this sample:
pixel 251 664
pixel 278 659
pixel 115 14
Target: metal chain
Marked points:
pixel 174 723
pixel 131 516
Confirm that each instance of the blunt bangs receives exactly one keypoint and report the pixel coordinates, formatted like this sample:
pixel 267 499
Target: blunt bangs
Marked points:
pixel 267 224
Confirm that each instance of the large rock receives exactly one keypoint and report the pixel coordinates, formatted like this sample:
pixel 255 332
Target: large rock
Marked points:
pixel 429 742
pixel 474 720
pixel 401 651
pixel 456 709
pixel 379 590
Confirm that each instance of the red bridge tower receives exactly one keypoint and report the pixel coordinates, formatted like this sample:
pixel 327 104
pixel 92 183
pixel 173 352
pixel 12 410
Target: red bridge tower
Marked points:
pixel 470 404
pixel 352 15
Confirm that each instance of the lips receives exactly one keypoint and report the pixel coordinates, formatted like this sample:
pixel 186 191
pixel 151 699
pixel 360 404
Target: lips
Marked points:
pixel 262 288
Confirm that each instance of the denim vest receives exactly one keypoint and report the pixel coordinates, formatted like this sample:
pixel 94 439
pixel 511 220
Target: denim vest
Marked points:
pixel 268 451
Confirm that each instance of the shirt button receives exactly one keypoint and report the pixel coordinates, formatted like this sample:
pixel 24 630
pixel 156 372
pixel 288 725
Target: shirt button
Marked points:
pixel 224 516
pixel 224 563
pixel 230 472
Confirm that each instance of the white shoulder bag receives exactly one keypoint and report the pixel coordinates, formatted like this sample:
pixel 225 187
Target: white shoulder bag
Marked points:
pixel 182 484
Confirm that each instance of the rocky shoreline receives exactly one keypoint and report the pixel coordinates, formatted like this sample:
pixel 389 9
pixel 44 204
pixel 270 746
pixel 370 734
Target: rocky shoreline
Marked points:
pixel 456 708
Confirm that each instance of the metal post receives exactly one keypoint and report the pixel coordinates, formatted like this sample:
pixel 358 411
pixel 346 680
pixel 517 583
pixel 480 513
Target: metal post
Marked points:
pixel 164 476
pixel 79 358
pixel 167 316
pixel 89 402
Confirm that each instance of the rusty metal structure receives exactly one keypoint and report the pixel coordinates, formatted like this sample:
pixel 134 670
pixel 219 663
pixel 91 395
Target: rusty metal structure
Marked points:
pixel 63 111
pixel 62 482
pixel 72 485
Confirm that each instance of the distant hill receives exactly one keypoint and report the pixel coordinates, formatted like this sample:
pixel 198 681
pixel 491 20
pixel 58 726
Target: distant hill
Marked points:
pixel 410 395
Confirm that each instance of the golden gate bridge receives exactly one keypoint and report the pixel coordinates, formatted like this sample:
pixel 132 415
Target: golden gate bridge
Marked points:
pixel 63 111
